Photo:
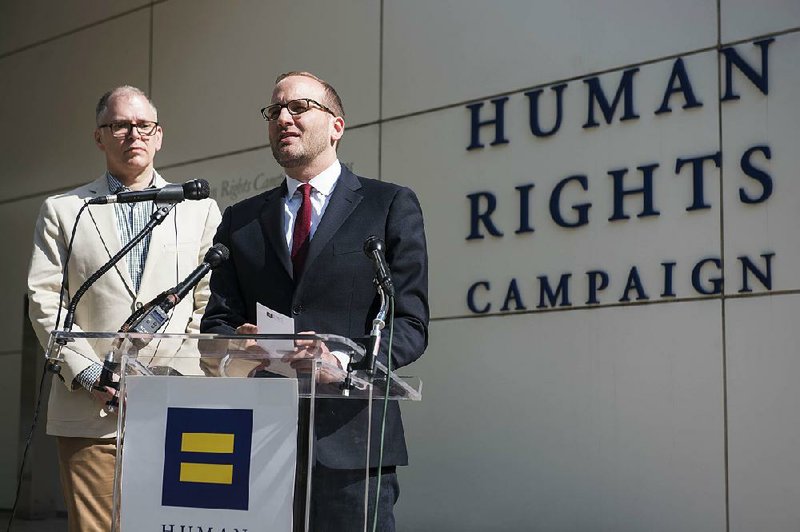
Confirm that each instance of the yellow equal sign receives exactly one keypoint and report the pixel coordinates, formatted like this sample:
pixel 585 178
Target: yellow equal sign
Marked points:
pixel 207 442
pixel 207 473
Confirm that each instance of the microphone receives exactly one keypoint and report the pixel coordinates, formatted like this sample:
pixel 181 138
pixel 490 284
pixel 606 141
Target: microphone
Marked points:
pixel 151 317
pixel 374 248
pixel 196 189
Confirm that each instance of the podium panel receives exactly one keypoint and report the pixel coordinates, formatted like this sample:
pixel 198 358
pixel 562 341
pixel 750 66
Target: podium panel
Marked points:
pixel 220 432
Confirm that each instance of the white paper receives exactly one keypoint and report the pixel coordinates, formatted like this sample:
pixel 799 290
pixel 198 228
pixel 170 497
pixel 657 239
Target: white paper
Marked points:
pixel 270 321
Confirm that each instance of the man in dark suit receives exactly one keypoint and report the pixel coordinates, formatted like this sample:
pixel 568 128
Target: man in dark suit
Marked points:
pixel 298 250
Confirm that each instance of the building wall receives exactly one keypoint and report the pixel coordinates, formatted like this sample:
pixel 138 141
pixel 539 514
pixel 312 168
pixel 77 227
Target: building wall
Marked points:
pixel 589 369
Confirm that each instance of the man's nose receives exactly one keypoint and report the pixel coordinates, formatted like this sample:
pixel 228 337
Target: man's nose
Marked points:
pixel 284 117
pixel 134 132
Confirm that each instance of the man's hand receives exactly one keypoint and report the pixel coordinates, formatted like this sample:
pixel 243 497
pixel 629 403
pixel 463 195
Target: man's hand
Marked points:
pixel 249 345
pixel 104 394
pixel 301 359
pixel 247 328
pixel 252 347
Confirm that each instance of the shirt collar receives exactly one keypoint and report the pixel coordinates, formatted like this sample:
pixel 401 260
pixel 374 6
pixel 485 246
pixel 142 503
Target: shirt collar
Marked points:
pixel 323 183
pixel 115 186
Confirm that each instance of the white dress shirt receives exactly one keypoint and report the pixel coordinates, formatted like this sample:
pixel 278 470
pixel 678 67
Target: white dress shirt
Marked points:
pixel 322 186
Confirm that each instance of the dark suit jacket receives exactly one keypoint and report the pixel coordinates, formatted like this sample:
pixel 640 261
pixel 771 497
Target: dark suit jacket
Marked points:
pixel 334 294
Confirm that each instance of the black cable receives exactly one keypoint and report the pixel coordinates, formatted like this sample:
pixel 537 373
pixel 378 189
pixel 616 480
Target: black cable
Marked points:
pixel 383 420
pixel 157 217
pixel 27 446
pixel 66 266
pixel 61 295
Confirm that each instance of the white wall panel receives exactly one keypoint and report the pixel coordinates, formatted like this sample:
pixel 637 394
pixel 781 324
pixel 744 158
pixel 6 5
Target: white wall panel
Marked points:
pixel 533 422
pixel 214 65
pixel 438 53
pixel 49 98
pixel 763 419
pixel 236 177
pixel 359 150
pixel 743 19
pixel 771 122
pixel 232 178
pixel 25 22
pixel 429 152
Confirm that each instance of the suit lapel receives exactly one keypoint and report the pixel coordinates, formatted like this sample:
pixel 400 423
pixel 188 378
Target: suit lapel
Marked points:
pixel 343 202
pixel 272 225
pixel 105 221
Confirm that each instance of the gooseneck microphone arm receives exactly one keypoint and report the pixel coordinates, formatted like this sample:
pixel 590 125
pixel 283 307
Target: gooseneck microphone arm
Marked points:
pixel 378 323
pixel 156 218
pixel 374 248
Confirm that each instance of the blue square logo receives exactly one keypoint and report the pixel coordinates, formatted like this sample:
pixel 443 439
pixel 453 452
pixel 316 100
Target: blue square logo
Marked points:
pixel 207 458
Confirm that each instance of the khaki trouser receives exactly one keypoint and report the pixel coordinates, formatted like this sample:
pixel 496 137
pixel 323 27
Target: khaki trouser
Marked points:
pixel 87 479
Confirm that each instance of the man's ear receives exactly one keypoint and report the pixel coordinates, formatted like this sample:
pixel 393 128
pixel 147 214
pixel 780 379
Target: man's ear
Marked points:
pixel 158 138
pixel 338 128
pixel 97 140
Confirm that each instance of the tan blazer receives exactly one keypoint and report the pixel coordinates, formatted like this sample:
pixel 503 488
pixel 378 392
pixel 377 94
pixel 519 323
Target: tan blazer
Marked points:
pixel 177 246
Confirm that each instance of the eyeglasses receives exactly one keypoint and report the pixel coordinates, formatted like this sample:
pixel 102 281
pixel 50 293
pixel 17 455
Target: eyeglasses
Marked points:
pixel 295 107
pixel 121 130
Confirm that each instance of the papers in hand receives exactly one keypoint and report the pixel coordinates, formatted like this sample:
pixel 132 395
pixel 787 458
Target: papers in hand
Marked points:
pixel 272 322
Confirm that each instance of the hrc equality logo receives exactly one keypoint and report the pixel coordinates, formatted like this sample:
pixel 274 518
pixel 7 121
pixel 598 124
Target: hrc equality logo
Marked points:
pixel 207 458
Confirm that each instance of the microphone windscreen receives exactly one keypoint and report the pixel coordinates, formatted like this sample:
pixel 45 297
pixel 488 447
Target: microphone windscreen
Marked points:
pixel 196 189
pixel 216 255
pixel 373 244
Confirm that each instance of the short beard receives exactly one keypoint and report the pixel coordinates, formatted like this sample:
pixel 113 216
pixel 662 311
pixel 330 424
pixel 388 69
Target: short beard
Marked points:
pixel 295 160
pixel 287 160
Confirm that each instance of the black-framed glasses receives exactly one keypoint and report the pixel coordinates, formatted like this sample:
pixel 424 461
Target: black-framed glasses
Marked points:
pixel 295 107
pixel 122 129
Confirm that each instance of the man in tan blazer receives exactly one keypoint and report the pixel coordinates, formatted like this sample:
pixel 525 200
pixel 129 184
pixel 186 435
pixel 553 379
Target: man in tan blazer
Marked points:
pixel 129 135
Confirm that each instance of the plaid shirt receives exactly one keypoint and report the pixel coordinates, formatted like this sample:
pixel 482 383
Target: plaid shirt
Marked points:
pixel 131 218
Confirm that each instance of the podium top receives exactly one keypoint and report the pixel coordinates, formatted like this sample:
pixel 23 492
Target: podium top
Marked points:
pixel 143 337
pixel 242 356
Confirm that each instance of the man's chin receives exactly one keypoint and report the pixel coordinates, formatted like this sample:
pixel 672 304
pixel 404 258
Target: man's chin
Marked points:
pixel 288 160
pixel 129 167
pixel 137 160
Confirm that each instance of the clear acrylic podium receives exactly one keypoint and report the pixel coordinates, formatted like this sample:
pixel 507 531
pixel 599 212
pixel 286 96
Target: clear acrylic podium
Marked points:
pixel 168 364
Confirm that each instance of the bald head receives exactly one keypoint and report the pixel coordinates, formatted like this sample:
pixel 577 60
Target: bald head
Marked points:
pixel 331 97
pixel 123 90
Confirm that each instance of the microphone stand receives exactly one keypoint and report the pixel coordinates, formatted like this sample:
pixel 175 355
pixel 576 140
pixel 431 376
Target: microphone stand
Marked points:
pixel 374 344
pixel 158 216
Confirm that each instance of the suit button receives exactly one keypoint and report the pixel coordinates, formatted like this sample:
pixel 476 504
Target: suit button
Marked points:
pixel 297 309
